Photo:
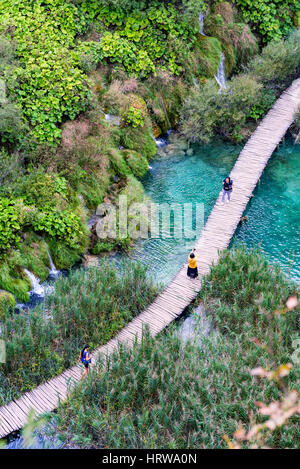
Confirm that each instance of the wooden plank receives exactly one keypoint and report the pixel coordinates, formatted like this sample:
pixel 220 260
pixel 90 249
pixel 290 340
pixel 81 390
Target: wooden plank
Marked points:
pixel 171 302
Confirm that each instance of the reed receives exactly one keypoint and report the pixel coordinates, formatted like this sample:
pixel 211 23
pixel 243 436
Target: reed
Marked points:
pixel 89 306
pixel 159 395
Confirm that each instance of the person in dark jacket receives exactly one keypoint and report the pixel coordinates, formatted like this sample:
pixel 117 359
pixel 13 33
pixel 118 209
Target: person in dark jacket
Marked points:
pixel 227 189
pixel 85 358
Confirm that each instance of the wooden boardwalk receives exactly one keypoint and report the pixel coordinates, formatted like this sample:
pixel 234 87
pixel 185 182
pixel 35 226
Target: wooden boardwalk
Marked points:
pixel 178 294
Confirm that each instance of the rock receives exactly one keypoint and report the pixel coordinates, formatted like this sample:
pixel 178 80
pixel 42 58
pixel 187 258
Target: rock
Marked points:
pixel 190 152
pixel 243 219
pixel 89 261
pixel 182 144
pixel 170 148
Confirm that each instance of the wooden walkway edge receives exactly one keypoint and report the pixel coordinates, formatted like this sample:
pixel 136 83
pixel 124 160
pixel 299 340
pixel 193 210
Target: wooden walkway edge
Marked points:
pixel 179 293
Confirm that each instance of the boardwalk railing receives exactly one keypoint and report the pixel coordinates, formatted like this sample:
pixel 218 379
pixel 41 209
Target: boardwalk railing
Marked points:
pixel 171 302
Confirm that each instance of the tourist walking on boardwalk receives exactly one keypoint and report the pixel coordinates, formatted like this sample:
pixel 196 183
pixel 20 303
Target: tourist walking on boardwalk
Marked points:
pixel 192 270
pixel 85 358
pixel 227 188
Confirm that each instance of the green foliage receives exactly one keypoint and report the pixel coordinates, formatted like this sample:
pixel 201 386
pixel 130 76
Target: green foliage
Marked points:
pixel 88 306
pixel 63 225
pixel 51 86
pixel 208 60
pixel 134 117
pixel 278 62
pixel 7 303
pixel 271 19
pixel 260 109
pixel 207 112
pixel 14 282
pixel 137 162
pixel 12 125
pixel 238 42
pixel 192 8
pixel 11 221
pixel 33 256
pixel 139 138
pixel 140 40
pixel 161 394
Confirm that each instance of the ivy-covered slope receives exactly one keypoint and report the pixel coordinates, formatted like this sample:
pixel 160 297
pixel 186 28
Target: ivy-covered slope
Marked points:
pixel 64 66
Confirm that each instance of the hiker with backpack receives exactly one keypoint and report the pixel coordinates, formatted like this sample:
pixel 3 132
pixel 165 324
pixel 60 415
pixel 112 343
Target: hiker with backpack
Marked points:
pixel 85 358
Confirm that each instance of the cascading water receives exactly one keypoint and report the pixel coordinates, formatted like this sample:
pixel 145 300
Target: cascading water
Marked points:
pixel 201 22
pixel 116 120
pixel 221 77
pixel 53 272
pixel 163 140
pixel 37 288
pixel 196 83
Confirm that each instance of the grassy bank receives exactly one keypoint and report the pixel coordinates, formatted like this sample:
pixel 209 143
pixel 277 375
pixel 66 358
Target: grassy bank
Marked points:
pixel 159 395
pixel 89 306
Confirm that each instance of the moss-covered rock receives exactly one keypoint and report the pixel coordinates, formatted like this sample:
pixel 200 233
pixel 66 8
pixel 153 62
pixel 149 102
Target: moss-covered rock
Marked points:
pixel 139 139
pixel 118 163
pixel 156 130
pixel 63 256
pixel 136 162
pixel 238 42
pixel 7 302
pixel 297 19
pixel 34 255
pixel 14 280
pixel 210 50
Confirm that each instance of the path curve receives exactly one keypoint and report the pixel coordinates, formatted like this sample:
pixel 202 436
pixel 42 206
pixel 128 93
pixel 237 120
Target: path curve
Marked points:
pixel 178 294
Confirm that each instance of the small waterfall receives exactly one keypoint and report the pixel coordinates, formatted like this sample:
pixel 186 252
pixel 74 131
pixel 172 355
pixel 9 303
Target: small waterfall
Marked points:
pixel 160 142
pixel 53 270
pixel 201 21
pixel 163 139
pixel 115 120
pixel 37 288
pixel 196 83
pixel 220 77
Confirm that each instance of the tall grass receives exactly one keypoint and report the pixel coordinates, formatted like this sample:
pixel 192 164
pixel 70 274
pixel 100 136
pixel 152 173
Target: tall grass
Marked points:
pixel 158 396
pixel 89 306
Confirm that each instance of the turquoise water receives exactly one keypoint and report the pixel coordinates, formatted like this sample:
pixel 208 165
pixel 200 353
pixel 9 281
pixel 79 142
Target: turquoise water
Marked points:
pixel 274 212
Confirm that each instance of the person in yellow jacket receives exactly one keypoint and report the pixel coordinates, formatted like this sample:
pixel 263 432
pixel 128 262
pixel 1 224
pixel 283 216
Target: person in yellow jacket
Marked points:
pixel 192 270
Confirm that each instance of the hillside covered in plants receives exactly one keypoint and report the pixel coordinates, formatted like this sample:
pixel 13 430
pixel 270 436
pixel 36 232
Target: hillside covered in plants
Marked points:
pixel 87 86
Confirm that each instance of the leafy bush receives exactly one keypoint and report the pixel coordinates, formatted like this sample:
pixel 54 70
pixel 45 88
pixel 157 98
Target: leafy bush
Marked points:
pixel 270 19
pixel 63 225
pixel 207 112
pixel 134 117
pixel 137 162
pixel 266 101
pixel 51 86
pixel 140 40
pixel 278 62
pixel 11 221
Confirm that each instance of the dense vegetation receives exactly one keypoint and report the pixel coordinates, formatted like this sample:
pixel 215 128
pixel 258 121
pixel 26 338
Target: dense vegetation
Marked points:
pixel 65 65
pixel 161 395
pixel 233 114
pixel 90 306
